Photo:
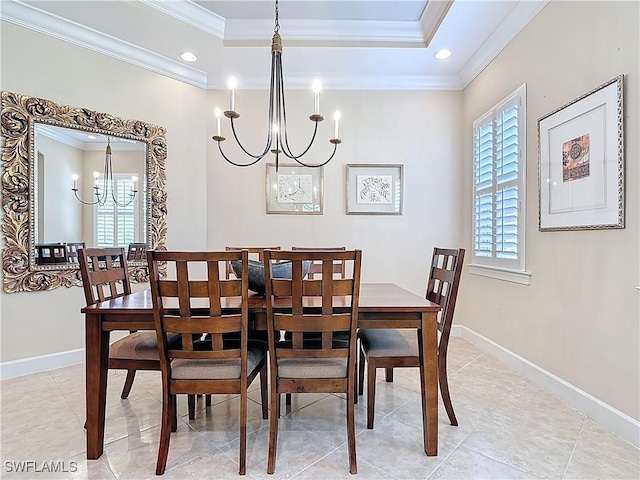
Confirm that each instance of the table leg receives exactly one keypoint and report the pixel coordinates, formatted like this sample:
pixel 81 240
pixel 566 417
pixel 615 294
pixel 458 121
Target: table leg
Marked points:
pixel 428 346
pixel 97 359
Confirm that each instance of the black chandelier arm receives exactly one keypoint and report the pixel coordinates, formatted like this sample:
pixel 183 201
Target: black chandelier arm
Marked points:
pixel 317 165
pixel 260 155
pixel 257 159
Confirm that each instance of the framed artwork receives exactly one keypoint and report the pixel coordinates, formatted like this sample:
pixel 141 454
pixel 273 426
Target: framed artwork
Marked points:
pixel 294 189
pixel 374 189
pixel 581 164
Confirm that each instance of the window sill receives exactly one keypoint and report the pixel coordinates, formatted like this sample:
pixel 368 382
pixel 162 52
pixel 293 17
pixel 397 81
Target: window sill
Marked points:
pixel 515 276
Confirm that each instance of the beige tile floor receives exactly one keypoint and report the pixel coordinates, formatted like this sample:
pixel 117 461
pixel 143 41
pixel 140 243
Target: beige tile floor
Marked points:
pixel 509 429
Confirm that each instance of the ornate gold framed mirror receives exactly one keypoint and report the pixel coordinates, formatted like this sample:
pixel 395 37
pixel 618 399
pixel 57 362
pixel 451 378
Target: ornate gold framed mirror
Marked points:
pixel 28 215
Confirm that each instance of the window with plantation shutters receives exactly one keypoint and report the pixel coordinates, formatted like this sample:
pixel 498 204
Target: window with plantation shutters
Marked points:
pixel 498 186
pixel 115 225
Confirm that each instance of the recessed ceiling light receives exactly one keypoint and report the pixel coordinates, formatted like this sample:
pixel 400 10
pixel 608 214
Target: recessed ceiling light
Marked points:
pixel 91 137
pixel 188 57
pixel 442 54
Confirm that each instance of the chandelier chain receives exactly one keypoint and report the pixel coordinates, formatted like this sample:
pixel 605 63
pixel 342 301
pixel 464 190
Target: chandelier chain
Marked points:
pixel 276 28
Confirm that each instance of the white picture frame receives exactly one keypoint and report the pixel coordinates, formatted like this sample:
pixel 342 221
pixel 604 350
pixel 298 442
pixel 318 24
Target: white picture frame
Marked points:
pixel 374 189
pixel 581 162
pixel 294 189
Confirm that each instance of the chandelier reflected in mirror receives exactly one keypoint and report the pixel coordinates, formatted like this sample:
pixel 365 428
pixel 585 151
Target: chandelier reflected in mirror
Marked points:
pixel 277 138
pixel 103 188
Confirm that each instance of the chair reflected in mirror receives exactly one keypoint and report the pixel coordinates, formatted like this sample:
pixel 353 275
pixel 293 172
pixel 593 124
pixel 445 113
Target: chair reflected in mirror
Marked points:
pixel 137 252
pixel 72 251
pixel 50 253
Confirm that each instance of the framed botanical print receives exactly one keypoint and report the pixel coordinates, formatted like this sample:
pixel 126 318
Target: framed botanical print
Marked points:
pixel 374 189
pixel 294 189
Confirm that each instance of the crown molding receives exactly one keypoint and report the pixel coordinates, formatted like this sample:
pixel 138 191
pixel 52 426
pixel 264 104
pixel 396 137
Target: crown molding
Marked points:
pixel 189 12
pixel 521 15
pixel 350 82
pixel 431 18
pixel 248 32
pixel 40 21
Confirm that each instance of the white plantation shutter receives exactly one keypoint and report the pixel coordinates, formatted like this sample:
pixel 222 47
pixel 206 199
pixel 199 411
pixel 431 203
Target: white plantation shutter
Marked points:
pixel 116 225
pixel 498 184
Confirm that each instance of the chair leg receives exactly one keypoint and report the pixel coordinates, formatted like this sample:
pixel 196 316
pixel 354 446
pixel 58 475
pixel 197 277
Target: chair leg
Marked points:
pixel 243 432
pixel 207 400
pixel 263 392
pixel 351 428
pixel 361 373
pixel 168 408
pixel 371 392
pixel 128 383
pixel 444 389
pixel 389 374
pixel 191 400
pixel 273 430
pixel 174 424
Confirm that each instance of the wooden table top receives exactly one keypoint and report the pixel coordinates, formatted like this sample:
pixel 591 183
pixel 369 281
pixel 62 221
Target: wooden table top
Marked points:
pixel 374 297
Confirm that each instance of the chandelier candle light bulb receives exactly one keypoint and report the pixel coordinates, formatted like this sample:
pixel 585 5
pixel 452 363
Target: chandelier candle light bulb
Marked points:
pixel 232 83
pixel 316 86
pixel 336 118
pixel 74 177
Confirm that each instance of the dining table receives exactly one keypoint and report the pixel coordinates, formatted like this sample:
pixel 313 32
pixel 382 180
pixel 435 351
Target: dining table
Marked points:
pixel 381 305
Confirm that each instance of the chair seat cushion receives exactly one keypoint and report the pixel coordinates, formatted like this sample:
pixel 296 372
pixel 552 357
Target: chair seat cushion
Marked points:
pixel 384 342
pixel 135 346
pixel 216 369
pixel 139 346
pixel 312 368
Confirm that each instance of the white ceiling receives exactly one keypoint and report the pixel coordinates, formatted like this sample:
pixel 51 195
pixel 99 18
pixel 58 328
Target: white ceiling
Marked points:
pixel 348 44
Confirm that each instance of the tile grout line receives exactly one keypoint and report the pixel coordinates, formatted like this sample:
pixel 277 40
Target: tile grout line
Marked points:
pixel 575 445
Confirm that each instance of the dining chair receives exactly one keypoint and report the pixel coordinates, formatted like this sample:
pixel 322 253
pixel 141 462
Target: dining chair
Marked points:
pixel 137 251
pixel 48 253
pixel 254 252
pixel 390 348
pixel 311 307
pixel 316 267
pixel 72 250
pixel 315 271
pixel 191 306
pixel 105 276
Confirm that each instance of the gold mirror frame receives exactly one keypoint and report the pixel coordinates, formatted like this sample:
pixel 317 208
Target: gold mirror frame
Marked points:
pixel 18 116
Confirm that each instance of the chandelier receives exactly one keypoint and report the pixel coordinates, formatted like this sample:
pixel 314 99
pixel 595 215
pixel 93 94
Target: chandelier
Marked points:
pixel 104 190
pixel 277 139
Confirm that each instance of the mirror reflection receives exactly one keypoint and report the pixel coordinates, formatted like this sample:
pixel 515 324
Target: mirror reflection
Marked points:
pixel 89 191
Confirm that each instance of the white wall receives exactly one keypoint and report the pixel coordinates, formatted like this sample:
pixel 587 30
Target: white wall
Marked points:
pixel 417 129
pixel 580 317
pixel 61 220
pixel 37 65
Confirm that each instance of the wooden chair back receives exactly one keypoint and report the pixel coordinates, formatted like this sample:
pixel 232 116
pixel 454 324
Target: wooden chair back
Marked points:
pixel 256 253
pixel 137 251
pixel 104 273
pixel 72 251
pixel 316 267
pixel 312 309
pixel 442 287
pixel 189 302
pixel 51 253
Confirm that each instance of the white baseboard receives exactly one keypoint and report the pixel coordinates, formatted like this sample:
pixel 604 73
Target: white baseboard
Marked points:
pixel 607 416
pixel 42 363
